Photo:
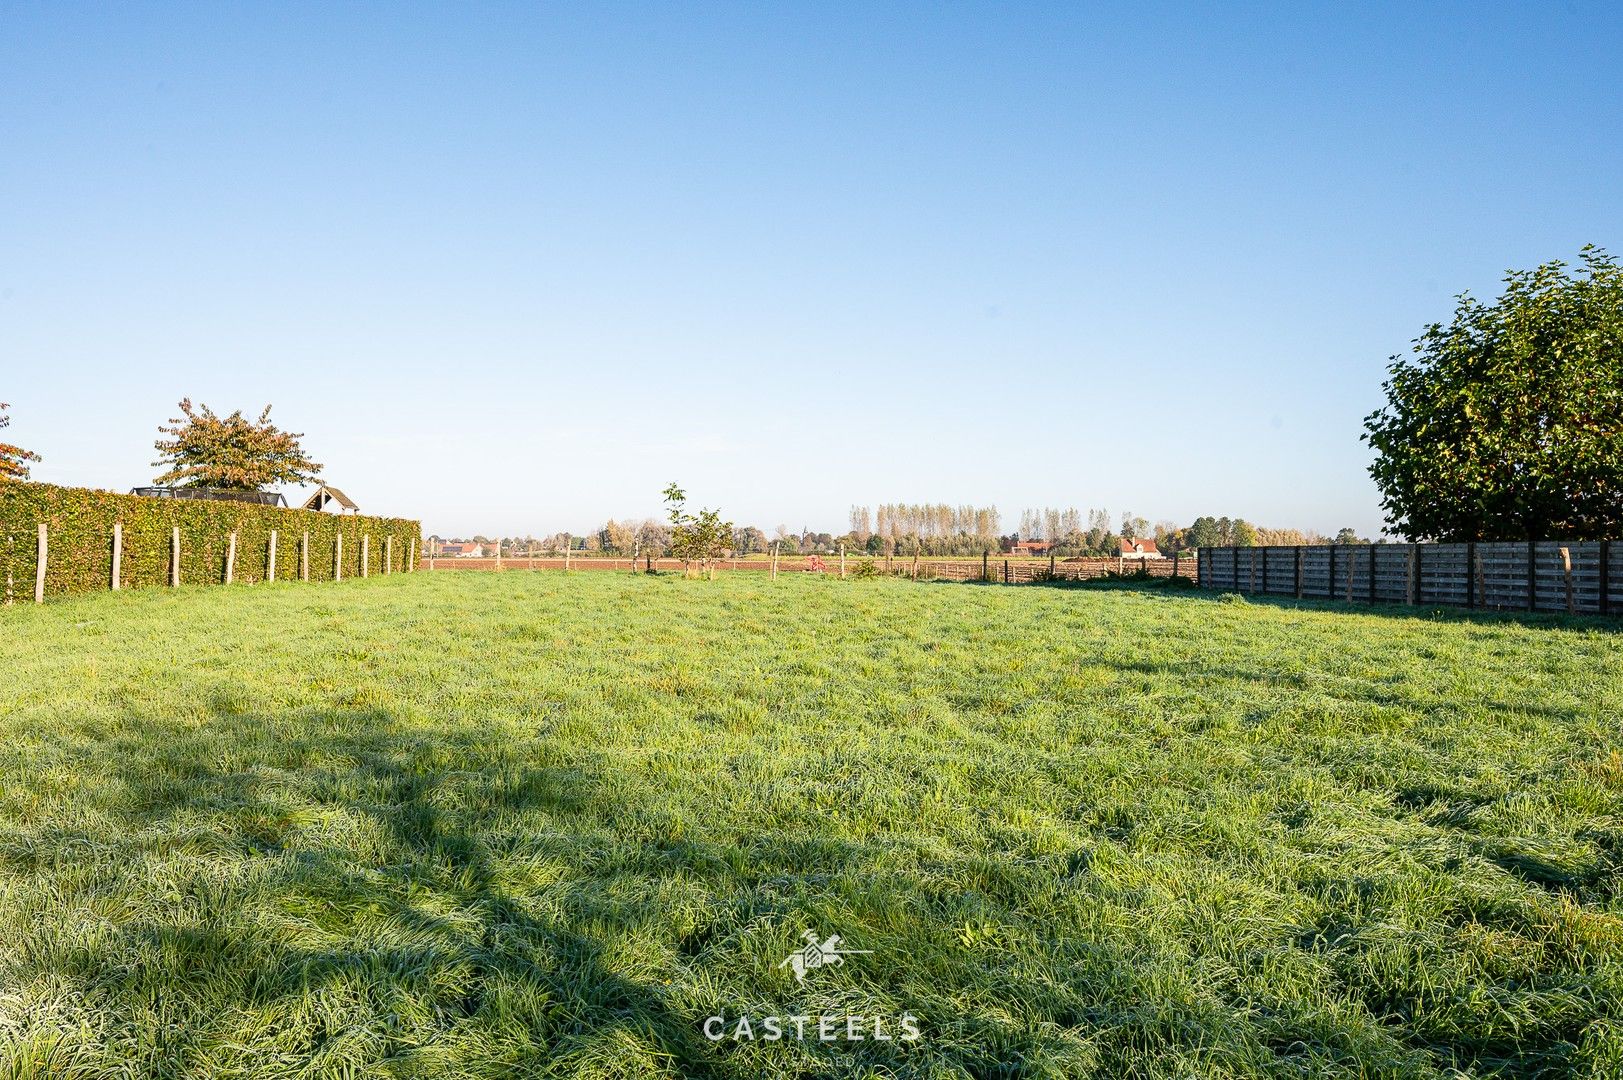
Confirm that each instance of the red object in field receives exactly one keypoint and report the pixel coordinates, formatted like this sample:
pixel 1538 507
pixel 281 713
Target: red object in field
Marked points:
pixel 814 564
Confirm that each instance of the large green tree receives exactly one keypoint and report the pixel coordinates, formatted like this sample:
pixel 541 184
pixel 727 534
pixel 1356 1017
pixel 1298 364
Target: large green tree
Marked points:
pixel 205 450
pixel 13 459
pixel 1507 423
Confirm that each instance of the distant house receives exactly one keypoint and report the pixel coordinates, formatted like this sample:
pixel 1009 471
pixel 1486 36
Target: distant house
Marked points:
pixel 1140 549
pixel 1030 547
pixel 463 551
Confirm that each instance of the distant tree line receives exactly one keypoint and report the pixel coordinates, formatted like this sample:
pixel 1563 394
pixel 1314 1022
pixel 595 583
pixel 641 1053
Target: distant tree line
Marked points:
pixel 1238 532
pixel 940 530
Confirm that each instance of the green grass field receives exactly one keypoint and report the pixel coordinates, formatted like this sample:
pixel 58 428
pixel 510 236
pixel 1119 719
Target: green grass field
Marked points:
pixel 545 825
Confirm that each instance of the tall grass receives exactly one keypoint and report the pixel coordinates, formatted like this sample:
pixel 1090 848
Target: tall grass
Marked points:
pixel 545 825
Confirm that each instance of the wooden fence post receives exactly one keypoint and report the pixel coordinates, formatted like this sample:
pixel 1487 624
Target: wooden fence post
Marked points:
pixel 1566 569
pixel 1372 573
pixel 411 555
pixel 304 558
pixel 1297 570
pixel 1349 576
pixel 1532 575
pixel 1264 568
pixel 1176 555
pixel 174 557
pixel 774 560
pixel 39 567
pixel 568 542
pixel 338 558
pixel 1476 588
pixel 1411 590
pixel 1330 575
pixel 498 553
pixel 433 546
pixel 1605 577
pixel 366 544
pixel 270 562
pixel 388 553
pixel 118 551
pixel 842 560
pixel 231 558
pixel 986 573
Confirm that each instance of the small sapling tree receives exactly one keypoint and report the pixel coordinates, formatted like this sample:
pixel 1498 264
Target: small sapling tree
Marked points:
pixel 701 538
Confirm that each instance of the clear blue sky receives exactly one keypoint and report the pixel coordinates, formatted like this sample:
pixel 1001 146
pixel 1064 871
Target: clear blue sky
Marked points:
pixel 513 268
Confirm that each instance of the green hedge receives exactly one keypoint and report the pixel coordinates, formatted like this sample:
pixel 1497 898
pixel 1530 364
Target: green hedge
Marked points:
pixel 80 523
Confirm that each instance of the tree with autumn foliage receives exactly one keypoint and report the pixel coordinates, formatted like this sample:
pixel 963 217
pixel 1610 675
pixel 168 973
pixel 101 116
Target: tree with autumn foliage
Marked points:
pixel 13 459
pixel 233 452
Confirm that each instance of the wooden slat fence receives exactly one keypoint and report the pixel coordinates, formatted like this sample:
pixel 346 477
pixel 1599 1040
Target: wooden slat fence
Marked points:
pixel 1560 576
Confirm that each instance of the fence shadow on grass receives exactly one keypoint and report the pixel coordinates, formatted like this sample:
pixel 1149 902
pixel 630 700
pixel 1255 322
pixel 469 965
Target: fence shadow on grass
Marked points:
pixel 1160 588
pixel 1443 613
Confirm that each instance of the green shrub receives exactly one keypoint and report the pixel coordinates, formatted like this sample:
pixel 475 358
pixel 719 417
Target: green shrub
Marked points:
pixel 865 569
pixel 80 523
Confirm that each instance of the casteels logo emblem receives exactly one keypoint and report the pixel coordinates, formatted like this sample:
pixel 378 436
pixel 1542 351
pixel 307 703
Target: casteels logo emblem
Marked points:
pixel 816 954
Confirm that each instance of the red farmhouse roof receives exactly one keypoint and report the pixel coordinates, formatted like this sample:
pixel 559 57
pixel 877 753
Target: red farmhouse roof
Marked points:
pixel 1138 547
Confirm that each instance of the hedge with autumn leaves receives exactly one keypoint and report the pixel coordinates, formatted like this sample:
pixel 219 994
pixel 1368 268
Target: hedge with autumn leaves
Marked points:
pixel 80 523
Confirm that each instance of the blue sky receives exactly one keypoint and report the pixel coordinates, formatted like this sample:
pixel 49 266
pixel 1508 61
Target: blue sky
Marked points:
pixel 513 268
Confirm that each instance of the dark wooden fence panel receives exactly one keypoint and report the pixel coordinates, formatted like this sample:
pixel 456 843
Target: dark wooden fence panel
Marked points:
pixel 1583 577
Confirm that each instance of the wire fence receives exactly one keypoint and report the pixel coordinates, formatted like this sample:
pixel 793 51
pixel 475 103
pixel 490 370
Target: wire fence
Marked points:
pixel 988 568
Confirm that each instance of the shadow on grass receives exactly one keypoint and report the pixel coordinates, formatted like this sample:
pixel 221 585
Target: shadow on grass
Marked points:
pixel 1443 613
pixel 432 921
pixel 360 885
